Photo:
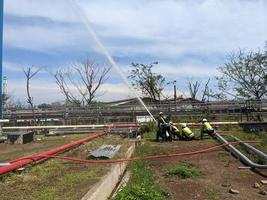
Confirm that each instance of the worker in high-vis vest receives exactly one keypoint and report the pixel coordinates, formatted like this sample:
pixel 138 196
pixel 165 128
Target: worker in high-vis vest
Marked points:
pixel 206 128
pixel 174 131
pixel 163 128
pixel 187 134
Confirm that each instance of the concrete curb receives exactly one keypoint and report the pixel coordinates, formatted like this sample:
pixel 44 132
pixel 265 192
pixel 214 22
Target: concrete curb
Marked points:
pixel 104 188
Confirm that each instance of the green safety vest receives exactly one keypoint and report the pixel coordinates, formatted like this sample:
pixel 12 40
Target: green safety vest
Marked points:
pixel 207 127
pixel 186 131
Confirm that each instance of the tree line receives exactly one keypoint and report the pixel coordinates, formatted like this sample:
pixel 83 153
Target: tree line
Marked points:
pixel 242 76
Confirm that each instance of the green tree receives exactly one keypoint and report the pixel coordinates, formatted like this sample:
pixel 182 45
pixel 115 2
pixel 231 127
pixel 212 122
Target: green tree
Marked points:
pixel 244 75
pixel 149 83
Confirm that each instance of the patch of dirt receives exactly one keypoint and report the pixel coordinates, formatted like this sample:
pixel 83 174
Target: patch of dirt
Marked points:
pixel 220 171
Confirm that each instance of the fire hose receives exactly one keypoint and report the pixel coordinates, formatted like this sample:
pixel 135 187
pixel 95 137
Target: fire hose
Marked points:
pixel 16 164
pixel 191 153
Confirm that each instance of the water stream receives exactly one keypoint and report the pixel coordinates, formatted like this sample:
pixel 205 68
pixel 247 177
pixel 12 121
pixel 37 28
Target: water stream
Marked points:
pixel 79 11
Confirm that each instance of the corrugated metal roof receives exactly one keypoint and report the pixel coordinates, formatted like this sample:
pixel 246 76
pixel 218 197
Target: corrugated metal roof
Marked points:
pixel 106 151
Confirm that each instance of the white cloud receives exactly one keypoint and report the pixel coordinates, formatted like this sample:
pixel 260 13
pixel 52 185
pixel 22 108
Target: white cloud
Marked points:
pixel 173 27
pixel 12 67
pixel 187 70
pixel 40 38
pixel 48 91
pixel 114 91
pixel 170 27
pixel 164 29
pixel 54 9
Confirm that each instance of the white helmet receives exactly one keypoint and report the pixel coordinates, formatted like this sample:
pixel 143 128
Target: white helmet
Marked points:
pixel 183 125
pixel 204 120
pixel 160 113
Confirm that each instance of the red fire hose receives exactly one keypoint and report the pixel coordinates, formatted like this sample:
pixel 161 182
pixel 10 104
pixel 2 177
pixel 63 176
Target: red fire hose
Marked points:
pixel 16 164
pixel 148 157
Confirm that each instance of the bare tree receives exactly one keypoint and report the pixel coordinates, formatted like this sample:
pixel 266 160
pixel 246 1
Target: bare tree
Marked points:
pixel 149 83
pixel 30 72
pixel 81 82
pixel 206 92
pixel 193 89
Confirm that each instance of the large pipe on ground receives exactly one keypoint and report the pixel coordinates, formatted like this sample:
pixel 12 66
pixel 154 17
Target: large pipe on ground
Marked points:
pixel 25 161
pixel 251 148
pixel 238 154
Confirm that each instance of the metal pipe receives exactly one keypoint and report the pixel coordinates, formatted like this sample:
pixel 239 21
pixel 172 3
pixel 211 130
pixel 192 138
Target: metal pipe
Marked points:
pixel 238 154
pixel 229 123
pixel 52 127
pixel 70 126
pixel 24 161
pixel 253 149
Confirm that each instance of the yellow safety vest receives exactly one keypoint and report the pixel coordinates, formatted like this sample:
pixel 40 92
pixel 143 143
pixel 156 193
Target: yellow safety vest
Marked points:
pixel 207 127
pixel 186 131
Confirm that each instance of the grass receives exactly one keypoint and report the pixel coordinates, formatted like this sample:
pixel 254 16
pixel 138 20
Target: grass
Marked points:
pixel 10 152
pixel 184 171
pixel 65 186
pixel 142 184
pixel 57 179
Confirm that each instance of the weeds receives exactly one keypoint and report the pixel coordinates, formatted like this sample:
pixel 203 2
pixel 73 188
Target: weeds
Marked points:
pixel 184 171
pixel 142 184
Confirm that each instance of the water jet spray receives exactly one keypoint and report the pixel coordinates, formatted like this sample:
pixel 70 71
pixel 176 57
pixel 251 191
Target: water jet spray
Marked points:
pixel 79 11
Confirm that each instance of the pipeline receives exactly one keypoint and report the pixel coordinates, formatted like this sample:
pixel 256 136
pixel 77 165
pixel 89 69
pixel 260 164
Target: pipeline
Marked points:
pixel 229 123
pixel 126 125
pixel 16 164
pixel 238 154
pixel 251 148
pixel 71 126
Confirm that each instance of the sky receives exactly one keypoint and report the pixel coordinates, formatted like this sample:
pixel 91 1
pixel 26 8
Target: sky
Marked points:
pixel 189 38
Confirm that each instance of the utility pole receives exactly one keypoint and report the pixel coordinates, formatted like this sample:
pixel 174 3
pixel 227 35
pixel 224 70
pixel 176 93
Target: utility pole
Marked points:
pixel 1 55
pixel 174 92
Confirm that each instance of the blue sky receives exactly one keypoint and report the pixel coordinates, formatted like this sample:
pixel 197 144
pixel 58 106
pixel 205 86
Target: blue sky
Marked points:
pixel 189 38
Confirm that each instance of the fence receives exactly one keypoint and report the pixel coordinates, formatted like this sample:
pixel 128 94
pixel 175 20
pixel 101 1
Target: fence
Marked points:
pixel 107 113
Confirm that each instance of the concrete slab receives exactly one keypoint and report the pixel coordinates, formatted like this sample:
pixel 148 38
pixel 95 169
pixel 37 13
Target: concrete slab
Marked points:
pixel 105 151
pixel 104 188
pixel 20 137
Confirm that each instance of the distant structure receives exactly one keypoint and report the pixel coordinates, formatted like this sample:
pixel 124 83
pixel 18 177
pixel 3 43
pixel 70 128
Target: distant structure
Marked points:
pixel 4 93
pixel 4 86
